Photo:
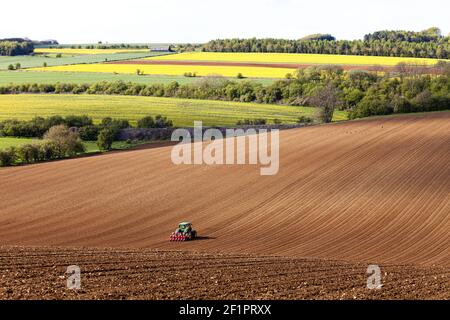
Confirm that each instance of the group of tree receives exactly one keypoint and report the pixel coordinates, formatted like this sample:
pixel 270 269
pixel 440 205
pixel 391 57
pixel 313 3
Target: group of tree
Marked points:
pixel 429 35
pixel 158 122
pixel 318 37
pixel 187 47
pixel 62 136
pixel 425 44
pixel 38 126
pixel 106 133
pixel 365 94
pixel 58 142
pixel 16 66
pixel 83 124
pixel 16 48
pixel 439 50
pixel 252 122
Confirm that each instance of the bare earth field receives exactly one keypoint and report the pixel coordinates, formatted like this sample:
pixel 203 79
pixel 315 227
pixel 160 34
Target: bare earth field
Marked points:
pixel 39 273
pixel 369 191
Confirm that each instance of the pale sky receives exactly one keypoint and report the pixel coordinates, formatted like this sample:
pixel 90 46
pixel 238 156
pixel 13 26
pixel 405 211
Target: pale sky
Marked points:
pixel 175 21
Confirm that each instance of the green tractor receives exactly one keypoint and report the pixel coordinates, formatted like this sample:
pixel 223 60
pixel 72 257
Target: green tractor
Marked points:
pixel 184 232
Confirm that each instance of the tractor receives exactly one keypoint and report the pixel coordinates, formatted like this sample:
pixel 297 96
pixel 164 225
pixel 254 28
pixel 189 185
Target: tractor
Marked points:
pixel 184 232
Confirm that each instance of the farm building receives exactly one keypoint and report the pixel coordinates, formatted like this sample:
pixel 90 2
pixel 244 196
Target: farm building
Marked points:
pixel 161 48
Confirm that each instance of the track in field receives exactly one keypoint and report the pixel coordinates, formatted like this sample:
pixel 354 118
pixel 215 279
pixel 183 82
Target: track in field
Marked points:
pixel 39 273
pixel 376 190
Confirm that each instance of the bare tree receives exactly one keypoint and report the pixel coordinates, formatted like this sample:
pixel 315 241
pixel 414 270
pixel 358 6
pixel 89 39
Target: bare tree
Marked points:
pixel 377 68
pixel 326 99
pixel 410 69
pixel 442 67
pixel 66 140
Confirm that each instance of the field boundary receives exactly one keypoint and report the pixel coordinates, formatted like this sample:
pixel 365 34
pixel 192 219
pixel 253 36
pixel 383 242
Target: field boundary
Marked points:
pixel 166 133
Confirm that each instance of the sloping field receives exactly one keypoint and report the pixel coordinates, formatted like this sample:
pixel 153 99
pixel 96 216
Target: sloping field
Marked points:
pixel 376 190
pixel 183 112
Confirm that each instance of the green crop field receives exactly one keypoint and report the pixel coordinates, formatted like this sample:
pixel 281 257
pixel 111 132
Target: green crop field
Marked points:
pixel 182 111
pixel 6 142
pixel 22 76
pixel 51 60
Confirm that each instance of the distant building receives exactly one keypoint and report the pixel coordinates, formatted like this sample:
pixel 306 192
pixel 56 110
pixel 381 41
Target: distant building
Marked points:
pixel 161 48
pixel 48 42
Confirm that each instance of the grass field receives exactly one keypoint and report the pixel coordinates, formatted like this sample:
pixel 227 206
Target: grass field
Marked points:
pixel 182 111
pixel 295 58
pixel 91 146
pixel 87 51
pixel 6 142
pixel 27 76
pixel 174 70
pixel 51 60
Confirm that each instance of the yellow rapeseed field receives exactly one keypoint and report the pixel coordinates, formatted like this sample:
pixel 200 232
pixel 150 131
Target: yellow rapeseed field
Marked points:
pixel 174 70
pixel 297 58
pixel 230 71
pixel 86 51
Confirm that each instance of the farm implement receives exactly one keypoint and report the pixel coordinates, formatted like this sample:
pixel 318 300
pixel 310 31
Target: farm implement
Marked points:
pixel 184 232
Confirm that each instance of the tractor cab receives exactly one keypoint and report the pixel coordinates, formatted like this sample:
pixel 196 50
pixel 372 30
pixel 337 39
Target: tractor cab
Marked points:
pixel 184 227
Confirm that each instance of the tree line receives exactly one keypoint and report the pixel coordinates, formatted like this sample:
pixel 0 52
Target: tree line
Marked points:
pixel 84 125
pixel 62 136
pixel 16 48
pixel 375 47
pixel 429 35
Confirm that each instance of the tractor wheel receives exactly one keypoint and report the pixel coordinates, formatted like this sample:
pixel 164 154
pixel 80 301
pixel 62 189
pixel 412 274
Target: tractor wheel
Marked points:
pixel 194 234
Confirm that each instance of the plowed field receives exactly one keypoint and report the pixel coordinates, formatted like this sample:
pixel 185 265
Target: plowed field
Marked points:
pixel 40 273
pixel 370 191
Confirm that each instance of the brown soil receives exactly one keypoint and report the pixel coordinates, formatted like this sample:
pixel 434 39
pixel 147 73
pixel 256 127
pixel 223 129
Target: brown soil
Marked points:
pixel 376 190
pixel 39 273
